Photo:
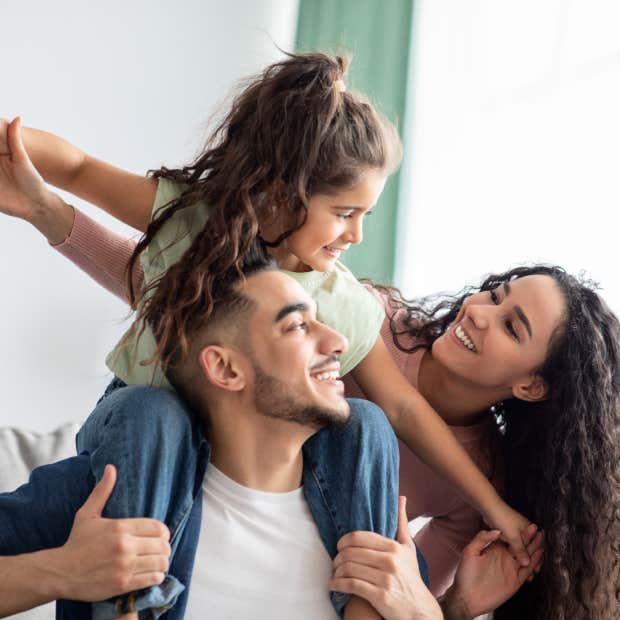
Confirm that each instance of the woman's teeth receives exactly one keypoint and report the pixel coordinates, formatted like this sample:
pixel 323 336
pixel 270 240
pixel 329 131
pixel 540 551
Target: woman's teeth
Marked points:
pixel 462 336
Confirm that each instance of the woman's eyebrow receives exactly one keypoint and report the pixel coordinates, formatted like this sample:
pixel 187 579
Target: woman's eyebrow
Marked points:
pixel 519 310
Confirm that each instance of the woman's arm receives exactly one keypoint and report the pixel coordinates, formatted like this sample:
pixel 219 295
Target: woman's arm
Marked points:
pixel 101 558
pixel 128 197
pixel 417 424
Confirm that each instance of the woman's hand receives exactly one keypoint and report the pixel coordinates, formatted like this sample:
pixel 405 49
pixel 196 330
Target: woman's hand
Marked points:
pixel 23 192
pixel 385 573
pixel 488 574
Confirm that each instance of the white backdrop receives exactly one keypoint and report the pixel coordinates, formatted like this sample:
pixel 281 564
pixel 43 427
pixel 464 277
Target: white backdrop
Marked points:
pixel 130 82
pixel 513 141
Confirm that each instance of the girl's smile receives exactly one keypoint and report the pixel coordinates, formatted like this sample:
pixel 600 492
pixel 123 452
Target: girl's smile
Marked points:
pixel 334 223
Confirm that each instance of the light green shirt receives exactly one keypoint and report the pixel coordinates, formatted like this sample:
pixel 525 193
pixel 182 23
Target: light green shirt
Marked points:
pixel 343 303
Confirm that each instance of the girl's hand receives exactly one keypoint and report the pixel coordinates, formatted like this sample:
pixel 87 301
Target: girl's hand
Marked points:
pixel 4 143
pixel 21 186
pixel 488 574
pixel 23 192
pixel 513 528
pixel 384 572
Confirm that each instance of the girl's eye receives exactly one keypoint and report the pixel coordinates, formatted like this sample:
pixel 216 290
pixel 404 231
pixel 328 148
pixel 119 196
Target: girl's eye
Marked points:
pixel 494 297
pixel 303 326
pixel 345 216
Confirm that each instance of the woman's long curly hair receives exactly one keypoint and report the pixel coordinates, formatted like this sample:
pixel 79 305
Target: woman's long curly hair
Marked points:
pixel 562 455
pixel 292 132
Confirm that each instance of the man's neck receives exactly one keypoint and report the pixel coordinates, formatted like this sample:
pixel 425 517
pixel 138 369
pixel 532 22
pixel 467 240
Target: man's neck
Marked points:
pixel 258 452
pixel 458 402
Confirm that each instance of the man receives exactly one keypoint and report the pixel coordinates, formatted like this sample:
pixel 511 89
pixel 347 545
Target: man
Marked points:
pixel 266 369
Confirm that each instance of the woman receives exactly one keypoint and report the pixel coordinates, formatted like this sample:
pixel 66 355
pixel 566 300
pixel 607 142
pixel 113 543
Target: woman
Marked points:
pixel 526 370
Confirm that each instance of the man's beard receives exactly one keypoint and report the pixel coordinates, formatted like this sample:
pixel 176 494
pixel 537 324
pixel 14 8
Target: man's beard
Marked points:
pixel 276 399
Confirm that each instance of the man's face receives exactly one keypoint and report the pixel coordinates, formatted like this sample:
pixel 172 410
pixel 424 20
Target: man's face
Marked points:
pixel 295 358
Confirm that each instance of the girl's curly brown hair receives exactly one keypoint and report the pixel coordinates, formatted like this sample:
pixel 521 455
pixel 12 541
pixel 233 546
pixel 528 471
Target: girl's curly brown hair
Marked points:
pixel 562 455
pixel 291 133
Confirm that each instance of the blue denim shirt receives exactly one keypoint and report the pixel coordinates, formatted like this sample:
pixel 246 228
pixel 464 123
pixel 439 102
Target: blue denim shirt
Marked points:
pixel 350 480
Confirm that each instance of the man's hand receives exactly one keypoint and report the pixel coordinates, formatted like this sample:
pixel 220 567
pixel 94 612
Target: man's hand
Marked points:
pixel 488 574
pixel 385 573
pixel 106 557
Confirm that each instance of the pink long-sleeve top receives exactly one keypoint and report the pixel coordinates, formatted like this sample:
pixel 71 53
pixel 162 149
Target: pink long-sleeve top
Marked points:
pixel 104 255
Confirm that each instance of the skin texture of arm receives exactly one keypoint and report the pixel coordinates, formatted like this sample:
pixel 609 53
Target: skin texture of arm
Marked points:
pixel 128 197
pixel 101 558
pixel 428 436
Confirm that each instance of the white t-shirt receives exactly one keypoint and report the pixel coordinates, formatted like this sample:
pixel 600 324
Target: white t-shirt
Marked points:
pixel 259 556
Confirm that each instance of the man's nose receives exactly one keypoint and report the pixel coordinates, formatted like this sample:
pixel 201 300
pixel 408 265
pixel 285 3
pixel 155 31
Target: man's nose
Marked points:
pixel 332 342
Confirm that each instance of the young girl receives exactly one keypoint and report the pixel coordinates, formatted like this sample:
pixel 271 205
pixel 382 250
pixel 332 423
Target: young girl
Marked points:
pixel 299 161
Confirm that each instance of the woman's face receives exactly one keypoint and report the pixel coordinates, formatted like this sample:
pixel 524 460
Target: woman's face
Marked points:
pixel 500 337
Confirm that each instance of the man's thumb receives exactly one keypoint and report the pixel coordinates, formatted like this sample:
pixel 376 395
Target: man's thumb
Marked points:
pixel 402 534
pixel 94 505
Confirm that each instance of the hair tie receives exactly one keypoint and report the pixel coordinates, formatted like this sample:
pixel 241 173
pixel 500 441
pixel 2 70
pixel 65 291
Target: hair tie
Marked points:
pixel 340 86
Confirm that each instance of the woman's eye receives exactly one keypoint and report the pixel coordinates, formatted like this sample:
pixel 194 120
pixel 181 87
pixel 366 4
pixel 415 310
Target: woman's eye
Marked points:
pixel 511 330
pixel 303 326
pixel 494 297
pixel 345 216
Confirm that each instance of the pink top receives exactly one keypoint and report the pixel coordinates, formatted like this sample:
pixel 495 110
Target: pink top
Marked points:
pixel 104 255
pixel 453 522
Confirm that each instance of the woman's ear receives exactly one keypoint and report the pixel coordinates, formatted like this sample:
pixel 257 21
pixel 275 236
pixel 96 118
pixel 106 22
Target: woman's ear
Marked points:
pixel 222 367
pixel 533 389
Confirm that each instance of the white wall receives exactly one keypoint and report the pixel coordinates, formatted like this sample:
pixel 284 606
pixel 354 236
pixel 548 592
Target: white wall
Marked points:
pixel 130 82
pixel 514 142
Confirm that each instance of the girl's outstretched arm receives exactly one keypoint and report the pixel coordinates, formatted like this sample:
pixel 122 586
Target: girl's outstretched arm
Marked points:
pixel 418 425
pixel 128 197
pixel 102 254
pixel 99 252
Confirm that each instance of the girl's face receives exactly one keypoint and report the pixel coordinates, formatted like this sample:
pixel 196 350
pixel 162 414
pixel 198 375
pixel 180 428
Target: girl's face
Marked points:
pixel 501 337
pixel 335 222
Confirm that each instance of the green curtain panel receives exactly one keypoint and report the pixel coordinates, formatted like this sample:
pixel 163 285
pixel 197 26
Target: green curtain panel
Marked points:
pixel 378 35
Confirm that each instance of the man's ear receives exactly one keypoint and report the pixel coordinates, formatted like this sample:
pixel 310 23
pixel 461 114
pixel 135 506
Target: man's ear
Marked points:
pixel 222 367
pixel 532 389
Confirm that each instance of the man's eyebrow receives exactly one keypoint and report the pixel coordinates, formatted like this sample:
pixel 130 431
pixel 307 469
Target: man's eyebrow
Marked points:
pixel 283 312
pixel 519 310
